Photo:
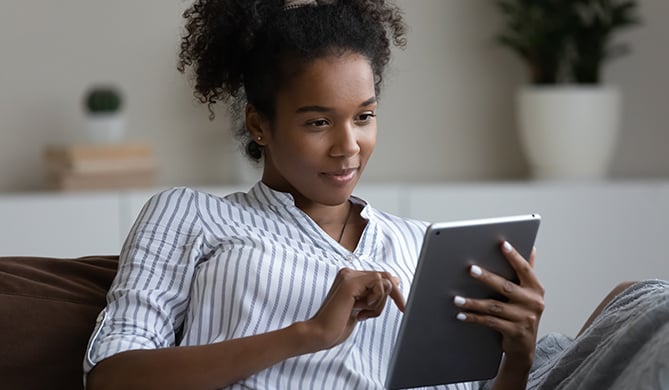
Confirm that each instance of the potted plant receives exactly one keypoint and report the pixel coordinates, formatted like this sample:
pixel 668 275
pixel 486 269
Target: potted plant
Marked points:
pixel 568 118
pixel 104 117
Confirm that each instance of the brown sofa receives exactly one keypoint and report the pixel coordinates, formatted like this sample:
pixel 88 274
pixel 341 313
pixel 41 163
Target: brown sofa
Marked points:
pixel 47 312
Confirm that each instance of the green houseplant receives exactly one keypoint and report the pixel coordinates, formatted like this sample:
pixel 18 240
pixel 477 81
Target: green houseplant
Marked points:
pixel 566 41
pixel 104 117
pixel 565 45
pixel 103 100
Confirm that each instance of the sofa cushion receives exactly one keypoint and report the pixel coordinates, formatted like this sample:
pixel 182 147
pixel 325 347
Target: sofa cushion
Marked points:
pixel 48 309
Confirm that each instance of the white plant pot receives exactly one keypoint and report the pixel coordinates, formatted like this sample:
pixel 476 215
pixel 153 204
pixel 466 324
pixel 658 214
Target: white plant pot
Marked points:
pixel 104 128
pixel 569 132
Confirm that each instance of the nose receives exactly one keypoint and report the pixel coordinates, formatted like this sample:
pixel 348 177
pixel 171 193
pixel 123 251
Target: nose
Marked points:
pixel 345 141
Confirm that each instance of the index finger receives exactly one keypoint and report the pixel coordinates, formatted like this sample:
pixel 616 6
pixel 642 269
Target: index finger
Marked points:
pixel 396 294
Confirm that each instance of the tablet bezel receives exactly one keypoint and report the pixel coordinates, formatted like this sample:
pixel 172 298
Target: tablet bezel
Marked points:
pixel 433 347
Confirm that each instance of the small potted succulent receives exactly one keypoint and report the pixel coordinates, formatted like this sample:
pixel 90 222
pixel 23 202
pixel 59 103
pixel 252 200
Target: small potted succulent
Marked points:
pixel 568 117
pixel 105 121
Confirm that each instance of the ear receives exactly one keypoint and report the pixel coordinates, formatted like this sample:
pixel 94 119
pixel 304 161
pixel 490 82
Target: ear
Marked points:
pixel 257 125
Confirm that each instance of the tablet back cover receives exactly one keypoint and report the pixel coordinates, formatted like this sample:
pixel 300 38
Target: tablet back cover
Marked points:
pixel 432 346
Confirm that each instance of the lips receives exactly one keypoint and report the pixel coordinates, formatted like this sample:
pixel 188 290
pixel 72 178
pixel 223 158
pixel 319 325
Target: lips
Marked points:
pixel 341 176
pixel 341 172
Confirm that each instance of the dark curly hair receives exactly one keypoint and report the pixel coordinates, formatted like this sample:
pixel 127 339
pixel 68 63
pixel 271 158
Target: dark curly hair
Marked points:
pixel 246 50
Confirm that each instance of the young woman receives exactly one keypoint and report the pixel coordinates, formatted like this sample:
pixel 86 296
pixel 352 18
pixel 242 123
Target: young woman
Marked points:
pixel 296 284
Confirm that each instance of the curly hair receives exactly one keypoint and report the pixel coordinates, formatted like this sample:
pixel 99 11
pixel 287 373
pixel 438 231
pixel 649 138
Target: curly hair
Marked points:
pixel 246 50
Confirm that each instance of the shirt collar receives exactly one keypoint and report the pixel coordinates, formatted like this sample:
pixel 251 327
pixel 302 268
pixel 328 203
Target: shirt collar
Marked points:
pixel 273 198
pixel 284 203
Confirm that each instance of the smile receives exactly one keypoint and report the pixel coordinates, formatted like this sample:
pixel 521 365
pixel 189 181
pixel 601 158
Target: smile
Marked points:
pixel 342 176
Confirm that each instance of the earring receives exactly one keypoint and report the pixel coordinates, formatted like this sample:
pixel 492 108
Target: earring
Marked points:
pixel 259 138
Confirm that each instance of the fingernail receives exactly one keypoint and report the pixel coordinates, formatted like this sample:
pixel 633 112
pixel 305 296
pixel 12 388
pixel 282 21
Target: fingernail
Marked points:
pixel 371 302
pixel 461 316
pixel 458 300
pixel 507 247
pixel 475 270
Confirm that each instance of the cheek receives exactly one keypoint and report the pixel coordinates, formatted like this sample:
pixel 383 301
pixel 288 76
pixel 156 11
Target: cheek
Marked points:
pixel 299 153
pixel 368 143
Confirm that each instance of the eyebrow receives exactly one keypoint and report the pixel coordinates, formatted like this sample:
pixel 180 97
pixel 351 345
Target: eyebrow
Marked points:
pixel 303 109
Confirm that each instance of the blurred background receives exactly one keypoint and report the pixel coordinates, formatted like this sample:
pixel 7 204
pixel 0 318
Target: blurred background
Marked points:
pixel 447 110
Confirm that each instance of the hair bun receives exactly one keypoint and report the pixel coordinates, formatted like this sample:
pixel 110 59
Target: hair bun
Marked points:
pixel 291 4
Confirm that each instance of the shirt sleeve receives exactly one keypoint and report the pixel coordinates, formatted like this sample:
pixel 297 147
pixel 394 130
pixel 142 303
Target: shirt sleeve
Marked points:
pixel 148 298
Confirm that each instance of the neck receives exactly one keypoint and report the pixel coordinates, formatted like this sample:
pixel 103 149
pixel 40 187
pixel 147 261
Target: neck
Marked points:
pixel 343 228
pixel 334 220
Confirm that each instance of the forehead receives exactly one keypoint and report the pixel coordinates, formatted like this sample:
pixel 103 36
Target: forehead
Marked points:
pixel 329 81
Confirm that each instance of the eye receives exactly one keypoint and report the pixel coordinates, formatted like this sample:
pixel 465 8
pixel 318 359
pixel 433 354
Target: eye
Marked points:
pixel 366 116
pixel 318 123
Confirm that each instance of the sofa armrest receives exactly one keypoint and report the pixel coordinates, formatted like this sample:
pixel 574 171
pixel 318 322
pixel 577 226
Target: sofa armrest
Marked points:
pixel 48 308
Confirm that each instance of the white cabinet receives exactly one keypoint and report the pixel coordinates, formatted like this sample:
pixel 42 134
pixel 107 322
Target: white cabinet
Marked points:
pixel 592 236
pixel 59 225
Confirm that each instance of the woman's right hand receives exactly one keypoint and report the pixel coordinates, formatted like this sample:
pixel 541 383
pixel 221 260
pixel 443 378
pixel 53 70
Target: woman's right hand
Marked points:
pixel 354 296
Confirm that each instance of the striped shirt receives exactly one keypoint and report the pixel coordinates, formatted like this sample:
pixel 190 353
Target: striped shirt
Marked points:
pixel 198 269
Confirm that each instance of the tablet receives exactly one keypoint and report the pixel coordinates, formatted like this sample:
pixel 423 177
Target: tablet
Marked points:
pixel 432 346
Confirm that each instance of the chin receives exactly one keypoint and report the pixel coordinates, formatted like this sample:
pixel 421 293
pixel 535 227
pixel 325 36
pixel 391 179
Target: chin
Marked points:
pixel 335 199
pixel 336 196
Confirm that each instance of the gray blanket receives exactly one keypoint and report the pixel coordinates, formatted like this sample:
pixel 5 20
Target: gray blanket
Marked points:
pixel 625 348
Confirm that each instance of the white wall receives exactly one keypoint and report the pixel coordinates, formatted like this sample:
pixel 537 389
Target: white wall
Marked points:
pixel 643 76
pixel 446 113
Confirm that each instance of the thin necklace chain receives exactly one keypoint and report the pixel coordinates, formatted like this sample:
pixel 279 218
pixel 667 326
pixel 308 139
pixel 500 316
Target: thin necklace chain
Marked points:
pixel 343 228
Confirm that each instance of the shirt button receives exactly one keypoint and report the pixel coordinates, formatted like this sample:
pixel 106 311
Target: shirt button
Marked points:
pixel 350 257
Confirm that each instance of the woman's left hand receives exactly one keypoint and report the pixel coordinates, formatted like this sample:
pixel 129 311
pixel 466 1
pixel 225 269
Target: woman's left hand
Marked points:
pixel 518 318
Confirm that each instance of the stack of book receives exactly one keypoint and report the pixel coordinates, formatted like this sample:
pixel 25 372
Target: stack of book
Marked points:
pixel 100 167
